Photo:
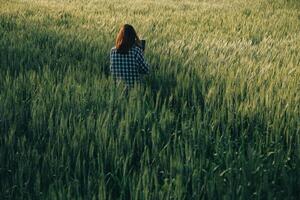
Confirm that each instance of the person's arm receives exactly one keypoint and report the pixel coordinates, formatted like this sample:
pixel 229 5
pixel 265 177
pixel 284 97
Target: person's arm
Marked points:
pixel 143 66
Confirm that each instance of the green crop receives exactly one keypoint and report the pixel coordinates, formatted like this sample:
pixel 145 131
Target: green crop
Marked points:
pixel 218 117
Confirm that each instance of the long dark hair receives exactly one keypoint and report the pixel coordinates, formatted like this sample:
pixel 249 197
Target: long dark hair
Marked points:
pixel 126 38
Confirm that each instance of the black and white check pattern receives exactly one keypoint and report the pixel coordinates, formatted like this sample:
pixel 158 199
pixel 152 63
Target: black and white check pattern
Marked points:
pixel 128 67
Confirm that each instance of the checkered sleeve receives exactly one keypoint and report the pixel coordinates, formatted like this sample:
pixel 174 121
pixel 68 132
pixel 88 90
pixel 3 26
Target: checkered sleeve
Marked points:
pixel 143 66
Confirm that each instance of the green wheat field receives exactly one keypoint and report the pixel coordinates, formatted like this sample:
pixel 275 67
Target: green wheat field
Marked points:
pixel 217 118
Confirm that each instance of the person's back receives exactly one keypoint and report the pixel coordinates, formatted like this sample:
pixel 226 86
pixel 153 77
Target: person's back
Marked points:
pixel 127 61
pixel 129 66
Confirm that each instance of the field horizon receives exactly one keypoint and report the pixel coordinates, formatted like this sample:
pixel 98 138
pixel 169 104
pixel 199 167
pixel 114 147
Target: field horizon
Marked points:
pixel 218 117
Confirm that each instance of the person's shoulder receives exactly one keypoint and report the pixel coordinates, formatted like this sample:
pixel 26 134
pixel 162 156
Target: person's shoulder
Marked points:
pixel 137 49
pixel 113 49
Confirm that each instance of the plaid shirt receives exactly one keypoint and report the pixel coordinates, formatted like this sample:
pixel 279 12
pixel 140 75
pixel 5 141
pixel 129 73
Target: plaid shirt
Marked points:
pixel 128 67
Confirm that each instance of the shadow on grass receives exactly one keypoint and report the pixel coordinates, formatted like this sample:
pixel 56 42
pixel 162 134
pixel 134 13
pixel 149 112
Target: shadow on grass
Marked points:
pixel 32 47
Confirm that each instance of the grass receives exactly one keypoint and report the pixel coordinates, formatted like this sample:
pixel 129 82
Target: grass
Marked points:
pixel 217 118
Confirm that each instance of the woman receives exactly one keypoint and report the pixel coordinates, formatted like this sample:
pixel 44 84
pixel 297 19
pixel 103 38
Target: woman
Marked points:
pixel 127 61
